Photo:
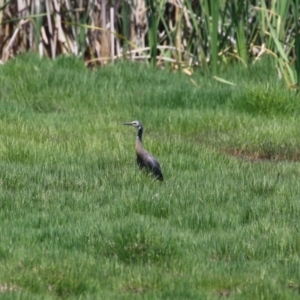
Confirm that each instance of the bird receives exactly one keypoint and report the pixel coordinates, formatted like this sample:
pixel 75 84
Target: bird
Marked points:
pixel 145 160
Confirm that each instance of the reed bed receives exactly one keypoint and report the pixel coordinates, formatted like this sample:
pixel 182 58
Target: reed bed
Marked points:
pixel 176 34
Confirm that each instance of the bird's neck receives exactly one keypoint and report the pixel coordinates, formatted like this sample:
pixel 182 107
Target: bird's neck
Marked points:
pixel 139 134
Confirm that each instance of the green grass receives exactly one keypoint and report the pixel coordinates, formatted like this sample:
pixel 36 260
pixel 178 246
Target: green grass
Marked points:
pixel 79 220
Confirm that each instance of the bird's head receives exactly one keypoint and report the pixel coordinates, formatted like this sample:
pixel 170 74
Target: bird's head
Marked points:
pixel 137 124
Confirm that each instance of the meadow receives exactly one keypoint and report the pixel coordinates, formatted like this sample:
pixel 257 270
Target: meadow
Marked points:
pixel 80 221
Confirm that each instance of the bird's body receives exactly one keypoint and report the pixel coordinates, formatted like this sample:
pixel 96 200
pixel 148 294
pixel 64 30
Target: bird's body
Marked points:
pixel 144 159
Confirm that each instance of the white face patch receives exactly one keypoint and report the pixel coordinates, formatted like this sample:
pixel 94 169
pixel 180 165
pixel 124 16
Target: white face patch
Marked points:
pixel 135 123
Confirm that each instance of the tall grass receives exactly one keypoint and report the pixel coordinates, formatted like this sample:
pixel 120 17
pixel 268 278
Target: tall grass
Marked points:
pixel 78 219
pixel 173 34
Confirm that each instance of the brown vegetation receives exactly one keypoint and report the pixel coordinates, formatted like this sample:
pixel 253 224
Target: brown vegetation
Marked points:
pixel 178 34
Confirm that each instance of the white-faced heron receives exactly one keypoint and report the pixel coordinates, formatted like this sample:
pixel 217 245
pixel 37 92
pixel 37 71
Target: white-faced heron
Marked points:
pixel 144 159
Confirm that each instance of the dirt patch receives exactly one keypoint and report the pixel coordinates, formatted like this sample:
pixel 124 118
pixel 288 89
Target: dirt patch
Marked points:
pixel 134 288
pixel 225 293
pixel 263 156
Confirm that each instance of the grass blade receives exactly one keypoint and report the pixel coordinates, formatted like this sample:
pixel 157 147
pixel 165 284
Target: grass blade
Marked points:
pixel 297 40
pixel 214 34
pixel 152 30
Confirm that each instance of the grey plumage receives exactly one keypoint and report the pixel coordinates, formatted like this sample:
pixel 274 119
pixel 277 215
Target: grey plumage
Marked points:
pixel 144 159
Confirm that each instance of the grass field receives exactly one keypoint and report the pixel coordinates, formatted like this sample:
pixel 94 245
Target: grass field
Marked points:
pixel 79 220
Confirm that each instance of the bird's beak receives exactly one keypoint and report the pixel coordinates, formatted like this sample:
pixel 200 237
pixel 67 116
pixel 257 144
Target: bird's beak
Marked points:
pixel 130 123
